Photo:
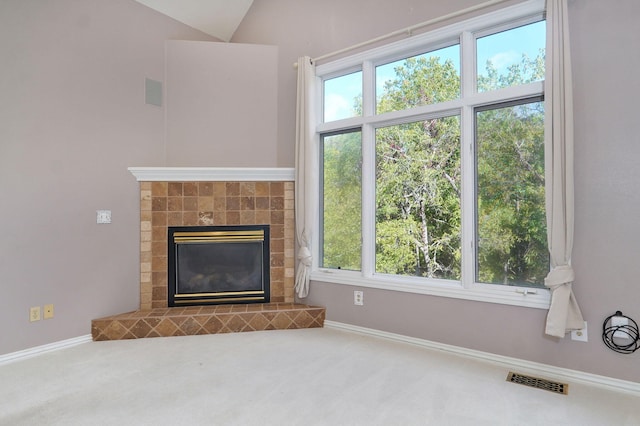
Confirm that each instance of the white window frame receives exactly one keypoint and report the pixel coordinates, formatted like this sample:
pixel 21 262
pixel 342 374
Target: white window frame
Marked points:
pixel 464 32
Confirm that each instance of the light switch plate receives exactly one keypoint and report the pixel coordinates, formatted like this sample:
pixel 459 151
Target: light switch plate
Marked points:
pixel 103 216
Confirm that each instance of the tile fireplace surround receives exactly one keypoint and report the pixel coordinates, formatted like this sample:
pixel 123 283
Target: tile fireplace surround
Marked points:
pixel 211 196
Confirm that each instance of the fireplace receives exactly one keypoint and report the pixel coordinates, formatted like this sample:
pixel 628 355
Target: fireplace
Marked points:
pixel 199 198
pixel 211 265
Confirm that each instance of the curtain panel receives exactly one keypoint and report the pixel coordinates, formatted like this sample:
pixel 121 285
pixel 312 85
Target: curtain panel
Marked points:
pixel 564 313
pixel 306 172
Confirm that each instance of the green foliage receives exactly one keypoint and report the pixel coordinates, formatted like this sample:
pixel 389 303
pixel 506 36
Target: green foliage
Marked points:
pixel 342 201
pixel 527 71
pixel 420 81
pixel 418 182
pixel 418 196
pixel 418 176
pixel 511 221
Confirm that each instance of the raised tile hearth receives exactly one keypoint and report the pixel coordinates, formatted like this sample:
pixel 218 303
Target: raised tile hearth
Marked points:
pixel 197 320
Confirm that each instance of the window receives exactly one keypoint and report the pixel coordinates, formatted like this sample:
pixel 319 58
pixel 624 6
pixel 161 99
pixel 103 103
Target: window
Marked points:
pixel 418 198
pixel 342 200
pixel 432 162
pixel 342 97
pixel 510 215
pixel 395 81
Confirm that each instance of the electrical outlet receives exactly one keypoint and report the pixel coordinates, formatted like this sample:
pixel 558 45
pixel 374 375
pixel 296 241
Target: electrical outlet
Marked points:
pixel 34 313
pixel 580 335
pixel 48 311
pixel 358 298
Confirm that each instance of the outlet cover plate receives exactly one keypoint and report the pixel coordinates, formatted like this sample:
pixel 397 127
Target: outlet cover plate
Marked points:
pixel 48 311
pixel 580 335
pixel 34 313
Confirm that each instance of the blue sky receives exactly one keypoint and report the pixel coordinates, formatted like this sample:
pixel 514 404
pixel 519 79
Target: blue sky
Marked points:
pixel 503 49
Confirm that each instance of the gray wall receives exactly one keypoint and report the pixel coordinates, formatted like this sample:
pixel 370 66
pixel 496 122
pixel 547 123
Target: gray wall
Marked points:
pixel 604 53
pixel 215 97
pixel 72 119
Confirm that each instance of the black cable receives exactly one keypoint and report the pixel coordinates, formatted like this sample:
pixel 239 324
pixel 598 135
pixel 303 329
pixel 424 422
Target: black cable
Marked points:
pixel 615 343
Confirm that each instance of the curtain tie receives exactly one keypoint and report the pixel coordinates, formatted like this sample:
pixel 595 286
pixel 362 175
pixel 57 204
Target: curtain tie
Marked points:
pixel 304 256
pixel 559 276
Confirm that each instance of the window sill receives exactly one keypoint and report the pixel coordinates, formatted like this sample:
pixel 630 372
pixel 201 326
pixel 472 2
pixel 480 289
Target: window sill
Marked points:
pixel 538 298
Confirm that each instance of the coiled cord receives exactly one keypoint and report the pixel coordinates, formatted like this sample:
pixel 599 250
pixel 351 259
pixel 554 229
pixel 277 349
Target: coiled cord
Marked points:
pixel 612 334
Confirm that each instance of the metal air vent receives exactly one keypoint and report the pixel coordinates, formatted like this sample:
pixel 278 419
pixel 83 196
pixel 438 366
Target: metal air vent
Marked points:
pixel 537 382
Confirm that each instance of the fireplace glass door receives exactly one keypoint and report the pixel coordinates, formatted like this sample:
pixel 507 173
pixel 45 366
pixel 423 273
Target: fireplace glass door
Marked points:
pixel 218 264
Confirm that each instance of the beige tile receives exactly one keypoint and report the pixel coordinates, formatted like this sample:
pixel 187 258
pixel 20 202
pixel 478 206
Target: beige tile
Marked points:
pixel 232 189
pixel 159 204
pixel 247 189
pixel 248 217
pixel 190 204
pixel 174 219
pixel 174 189
pixel 190 218
pixel 219 189
pixel 174 204
pixel 205 204
pixel 190 189
pixel 159 189
pixel 159 218
pixel 205 189
pixel 262 189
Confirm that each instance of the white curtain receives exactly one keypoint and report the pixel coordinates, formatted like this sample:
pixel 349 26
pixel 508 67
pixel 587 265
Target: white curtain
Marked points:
pixel 564 314
pixel 306 172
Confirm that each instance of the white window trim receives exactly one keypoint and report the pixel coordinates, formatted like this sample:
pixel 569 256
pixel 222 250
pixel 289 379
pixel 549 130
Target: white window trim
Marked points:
pixel 464 31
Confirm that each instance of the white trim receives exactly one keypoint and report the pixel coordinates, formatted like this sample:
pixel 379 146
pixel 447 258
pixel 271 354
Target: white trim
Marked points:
pixel 538 298
pixel 39 350
pixel 208 174
pixel 530 367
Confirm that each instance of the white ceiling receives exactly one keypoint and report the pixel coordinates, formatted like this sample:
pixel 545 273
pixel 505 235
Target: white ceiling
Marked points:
pixel 218 18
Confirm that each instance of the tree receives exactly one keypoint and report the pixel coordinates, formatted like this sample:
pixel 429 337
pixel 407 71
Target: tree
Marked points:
pixel 418 181
pixel 511 227
pixel 342 201
pixel 418 176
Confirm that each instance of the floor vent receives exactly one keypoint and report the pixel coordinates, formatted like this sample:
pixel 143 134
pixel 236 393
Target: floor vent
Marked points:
pixel 536 382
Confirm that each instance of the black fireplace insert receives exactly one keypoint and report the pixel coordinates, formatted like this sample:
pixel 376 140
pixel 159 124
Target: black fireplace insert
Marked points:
pixel 211 265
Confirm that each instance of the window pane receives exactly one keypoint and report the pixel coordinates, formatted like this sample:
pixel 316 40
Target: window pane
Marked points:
pixel 421 80
pixel 418 199
pixel 511 224
pixel 511 57
pixel 342 201
pixel 343 97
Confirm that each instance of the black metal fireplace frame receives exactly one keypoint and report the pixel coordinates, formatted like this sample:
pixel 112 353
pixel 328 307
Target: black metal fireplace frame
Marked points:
pixel 222 297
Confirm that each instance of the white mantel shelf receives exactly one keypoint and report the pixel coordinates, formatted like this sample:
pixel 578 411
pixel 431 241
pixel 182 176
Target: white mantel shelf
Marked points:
pixel 208 174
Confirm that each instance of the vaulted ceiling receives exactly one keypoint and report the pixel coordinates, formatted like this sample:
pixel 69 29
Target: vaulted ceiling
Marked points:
pixel 218 18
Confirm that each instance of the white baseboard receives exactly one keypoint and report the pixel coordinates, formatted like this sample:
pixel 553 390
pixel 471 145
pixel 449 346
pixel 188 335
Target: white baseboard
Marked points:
pixel 38 350
pixel 523 366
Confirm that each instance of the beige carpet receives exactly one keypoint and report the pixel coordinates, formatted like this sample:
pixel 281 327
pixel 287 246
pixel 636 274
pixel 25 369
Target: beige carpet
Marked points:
pixel 293 377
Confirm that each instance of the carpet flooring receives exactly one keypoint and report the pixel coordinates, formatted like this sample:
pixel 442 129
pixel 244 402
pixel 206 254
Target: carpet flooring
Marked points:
pixel 291 377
